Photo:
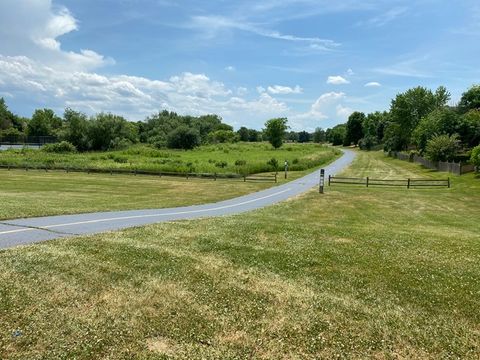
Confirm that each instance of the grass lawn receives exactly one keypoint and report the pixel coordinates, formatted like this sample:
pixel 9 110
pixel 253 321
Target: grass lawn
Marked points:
pixel 354 273
pixel 250 158
pixel 36 193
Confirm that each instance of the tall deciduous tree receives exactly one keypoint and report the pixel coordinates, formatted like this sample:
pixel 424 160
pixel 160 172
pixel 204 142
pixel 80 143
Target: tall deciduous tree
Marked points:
pixel 319 135
pixel 408 108
pixel 470 99
pixel 44 123
pixel 354 129
pixel 275 130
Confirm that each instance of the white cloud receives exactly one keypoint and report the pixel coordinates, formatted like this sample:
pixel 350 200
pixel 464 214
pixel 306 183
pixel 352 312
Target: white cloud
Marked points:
pixel 373 84
pixel 212 25
pixel 33 28
pixel 260 89
pixel 343 112
pixel 337 80
pixel 284 90
pixel 131 96
pixel 230 68
pixel 327 106
pixel 384 18
pixel 350 72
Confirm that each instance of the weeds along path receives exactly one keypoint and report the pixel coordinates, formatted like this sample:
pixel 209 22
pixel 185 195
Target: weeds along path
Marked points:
pixel 31 230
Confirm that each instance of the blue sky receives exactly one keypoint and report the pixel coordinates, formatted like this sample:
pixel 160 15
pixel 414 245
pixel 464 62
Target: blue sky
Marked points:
pixel 313 61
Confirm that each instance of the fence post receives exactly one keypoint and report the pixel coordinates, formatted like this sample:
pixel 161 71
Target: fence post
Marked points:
pixel 321 181
pixel 214 176
pixel 46 170
pixel 244 178
pixel 329 177
pixel 408 183
pixel 275 178
pixel 160 173
pixel 367 181
pixel 448 182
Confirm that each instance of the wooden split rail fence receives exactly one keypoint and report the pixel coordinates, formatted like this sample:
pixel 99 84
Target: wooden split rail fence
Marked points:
pixel 408 183
pixel 187 175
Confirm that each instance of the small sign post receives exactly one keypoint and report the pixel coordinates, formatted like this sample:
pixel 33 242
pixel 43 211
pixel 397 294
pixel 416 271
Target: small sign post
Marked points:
pixel 286 168
pixel 322 181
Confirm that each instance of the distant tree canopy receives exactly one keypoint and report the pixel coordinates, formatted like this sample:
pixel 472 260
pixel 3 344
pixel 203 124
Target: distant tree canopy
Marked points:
pixel 275 130
pixel 336 135
pixel 183 137
pixel 319 135
pixel 417 119
pixel 354 128
pixel 470 99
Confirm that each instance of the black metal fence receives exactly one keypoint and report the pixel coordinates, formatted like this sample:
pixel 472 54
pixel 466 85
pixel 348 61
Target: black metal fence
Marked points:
pixel 187 175
pixel 408 183
pixel 27 140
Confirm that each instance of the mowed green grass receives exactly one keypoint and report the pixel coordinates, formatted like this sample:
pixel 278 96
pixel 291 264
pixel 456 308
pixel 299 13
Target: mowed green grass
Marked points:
pixel 250 158
pixel 40 193
pixel 354 273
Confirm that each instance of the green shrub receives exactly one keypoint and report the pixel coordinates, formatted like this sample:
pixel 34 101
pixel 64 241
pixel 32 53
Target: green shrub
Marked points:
pixel 442 147
pixel 240 162
pixel 221 164
pixel 475 157
pixel 61 147
pixel 273 163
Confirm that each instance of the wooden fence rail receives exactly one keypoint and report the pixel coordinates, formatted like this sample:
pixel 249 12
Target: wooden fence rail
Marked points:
pixel 187 175
pixel 408 183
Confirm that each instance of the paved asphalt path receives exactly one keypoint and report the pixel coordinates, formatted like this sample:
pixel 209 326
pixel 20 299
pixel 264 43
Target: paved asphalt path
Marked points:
pixel 32 230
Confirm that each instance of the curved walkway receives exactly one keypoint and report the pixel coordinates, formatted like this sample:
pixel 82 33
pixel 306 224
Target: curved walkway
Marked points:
pixel 31 230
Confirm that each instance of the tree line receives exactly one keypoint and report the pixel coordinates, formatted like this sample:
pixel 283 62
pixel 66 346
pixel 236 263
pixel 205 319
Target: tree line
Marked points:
pixel 421 121
pixel 166 129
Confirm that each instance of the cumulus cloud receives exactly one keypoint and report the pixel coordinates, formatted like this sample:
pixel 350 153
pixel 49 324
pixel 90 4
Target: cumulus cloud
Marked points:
pixel 34 27
pixel 373 84
pixel 337 80
pixel 132 96
pixel 284 90
pixel 328 106
pixel 230 68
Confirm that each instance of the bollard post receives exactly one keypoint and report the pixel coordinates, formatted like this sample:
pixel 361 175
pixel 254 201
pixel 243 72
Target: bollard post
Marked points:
pixel 408 183
pixel 367 181
pixel 322 181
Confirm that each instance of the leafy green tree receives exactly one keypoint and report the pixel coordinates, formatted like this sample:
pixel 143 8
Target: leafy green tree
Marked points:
pixel 469 128
pixel 275 130
pixel 438 122
pixel 183 137
pixel 319 135
pixel 75 130
pixel 221 136
pixel 292 136
pixel 354 128
pixel 470 99
pixel 475 157
pixel 254 135
pixel 243 133
pixel 44 123
pixel 336 134
pixel 108 131
pixel 442 147
pixel 408 108
pixel 7 118
pixel 303 137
